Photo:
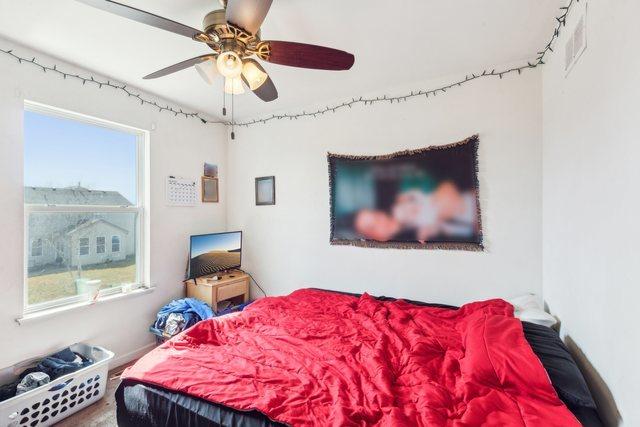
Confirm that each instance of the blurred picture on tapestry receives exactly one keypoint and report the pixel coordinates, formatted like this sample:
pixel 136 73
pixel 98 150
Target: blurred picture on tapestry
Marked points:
pixel 422 199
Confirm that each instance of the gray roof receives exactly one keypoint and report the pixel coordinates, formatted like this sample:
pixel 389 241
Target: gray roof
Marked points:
pixel 73 196
pixel 90 223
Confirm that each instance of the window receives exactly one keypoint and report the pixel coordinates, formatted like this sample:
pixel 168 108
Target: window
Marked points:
pixel 100 245
pixel 59 249
pixel 84 246
pixel 84 183
pixel 36 248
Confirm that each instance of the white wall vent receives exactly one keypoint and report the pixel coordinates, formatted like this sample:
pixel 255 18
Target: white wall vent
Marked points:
pixel 576 44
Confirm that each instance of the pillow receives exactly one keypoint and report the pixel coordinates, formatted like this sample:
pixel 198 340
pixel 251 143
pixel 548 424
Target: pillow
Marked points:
pixel 534 315
pixel 563 373
pixel 526 301
pixel 528 308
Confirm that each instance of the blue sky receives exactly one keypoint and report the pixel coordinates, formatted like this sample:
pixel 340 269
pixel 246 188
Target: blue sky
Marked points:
pixel 62 153
pixel 215 242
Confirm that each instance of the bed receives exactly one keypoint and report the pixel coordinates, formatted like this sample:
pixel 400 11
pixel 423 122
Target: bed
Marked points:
pixel 161 390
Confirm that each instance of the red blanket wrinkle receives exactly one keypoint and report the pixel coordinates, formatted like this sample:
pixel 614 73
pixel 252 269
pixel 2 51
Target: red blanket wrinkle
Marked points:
pixel 315 358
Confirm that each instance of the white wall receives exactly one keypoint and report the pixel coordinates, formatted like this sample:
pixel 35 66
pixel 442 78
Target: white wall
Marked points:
pixel 287 246
pixel 591 199
pixel 178 147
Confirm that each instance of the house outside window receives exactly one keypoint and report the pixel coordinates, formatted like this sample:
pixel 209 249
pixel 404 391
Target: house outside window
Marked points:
pixel 63 150
pixel 36 248
pixel 84 246
pixel 59 249
pixel 100 245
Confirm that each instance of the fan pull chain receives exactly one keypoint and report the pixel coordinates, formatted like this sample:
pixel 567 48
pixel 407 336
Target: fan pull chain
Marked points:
pixel 233 122
pixel 224 101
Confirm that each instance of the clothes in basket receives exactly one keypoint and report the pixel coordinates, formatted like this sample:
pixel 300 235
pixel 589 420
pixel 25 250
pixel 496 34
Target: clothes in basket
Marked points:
pixel 52 367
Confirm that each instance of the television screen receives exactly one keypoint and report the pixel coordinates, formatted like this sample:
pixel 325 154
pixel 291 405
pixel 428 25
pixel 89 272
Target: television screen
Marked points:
pixel 212 253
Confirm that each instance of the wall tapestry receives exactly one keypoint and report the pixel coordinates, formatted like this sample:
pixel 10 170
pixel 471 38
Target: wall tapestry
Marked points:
pixel 418 199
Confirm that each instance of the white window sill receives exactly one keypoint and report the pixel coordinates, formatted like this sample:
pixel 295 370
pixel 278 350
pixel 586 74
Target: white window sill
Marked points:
pixel 44 314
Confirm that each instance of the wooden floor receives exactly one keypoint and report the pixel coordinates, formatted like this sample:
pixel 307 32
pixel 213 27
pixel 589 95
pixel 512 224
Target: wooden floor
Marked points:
pixel 103 412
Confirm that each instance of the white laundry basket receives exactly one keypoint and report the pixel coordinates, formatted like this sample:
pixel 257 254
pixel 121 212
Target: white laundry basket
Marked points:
pixel 60 398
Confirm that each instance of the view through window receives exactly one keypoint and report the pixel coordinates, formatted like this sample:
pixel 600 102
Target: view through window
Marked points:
pixel 83 207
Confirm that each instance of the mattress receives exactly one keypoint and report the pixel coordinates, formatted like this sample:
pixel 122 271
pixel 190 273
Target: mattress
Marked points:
pixel 140 404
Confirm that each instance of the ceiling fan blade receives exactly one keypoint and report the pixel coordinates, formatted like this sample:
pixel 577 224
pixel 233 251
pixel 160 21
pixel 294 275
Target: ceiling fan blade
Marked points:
pixel 257 79
pixel 267 92
pixel 247 14
pixel 179 66
pixel 305 55
pixel 147 18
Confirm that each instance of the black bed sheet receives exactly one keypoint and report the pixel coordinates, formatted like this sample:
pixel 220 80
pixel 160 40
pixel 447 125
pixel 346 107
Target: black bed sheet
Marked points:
pixel 142 405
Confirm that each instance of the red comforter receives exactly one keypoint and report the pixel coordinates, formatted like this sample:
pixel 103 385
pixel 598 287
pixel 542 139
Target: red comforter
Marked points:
pixel 317 358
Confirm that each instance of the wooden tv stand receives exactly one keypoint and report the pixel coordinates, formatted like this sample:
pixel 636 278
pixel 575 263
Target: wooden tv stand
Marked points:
pixel 229 285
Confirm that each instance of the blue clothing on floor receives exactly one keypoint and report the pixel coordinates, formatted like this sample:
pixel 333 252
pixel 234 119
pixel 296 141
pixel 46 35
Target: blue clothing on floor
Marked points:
pixel 192 309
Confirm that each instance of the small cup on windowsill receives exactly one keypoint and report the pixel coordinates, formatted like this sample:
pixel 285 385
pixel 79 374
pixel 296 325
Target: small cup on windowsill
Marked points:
pixel 89 288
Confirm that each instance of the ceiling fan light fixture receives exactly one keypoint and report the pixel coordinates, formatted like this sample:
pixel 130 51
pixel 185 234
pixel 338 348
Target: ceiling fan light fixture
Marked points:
pixel 233 34
pixel 229 64
pixel 253 74
pixel 233 86
pixel 207 70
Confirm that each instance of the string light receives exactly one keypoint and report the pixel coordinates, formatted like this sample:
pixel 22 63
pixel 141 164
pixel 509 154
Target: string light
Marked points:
pixel 108 83
pixel 560 22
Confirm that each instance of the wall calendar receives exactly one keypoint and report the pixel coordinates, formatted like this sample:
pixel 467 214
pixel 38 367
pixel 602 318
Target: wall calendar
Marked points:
pixel 181 191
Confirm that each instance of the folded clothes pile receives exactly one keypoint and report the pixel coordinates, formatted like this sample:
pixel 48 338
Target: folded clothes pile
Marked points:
pixel 181 314
pixel 48 369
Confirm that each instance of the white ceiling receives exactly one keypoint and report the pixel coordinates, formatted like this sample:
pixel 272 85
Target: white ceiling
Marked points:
pixel 395 43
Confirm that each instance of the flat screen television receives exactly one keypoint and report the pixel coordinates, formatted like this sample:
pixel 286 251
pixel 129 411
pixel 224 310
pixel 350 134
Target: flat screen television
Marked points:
pixel 213 253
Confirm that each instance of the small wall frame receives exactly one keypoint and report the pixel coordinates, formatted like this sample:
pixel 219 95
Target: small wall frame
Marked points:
pixel 210 192
pixel 266 191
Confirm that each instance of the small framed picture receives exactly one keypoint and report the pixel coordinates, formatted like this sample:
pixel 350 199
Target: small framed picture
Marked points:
pixel 209 190
pixel 266 191
pixel 210 170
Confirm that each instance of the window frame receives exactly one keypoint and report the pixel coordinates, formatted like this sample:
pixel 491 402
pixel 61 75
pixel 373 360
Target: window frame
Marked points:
pixel 139 207
pixel 119 243
pixel 36 243
pixel 82 245
pixel 104 245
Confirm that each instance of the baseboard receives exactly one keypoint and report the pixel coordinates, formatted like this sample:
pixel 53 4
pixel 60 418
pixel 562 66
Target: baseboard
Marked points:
pixel 132 355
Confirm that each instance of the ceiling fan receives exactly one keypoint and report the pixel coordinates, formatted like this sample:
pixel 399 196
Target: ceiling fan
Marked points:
pixel 233 34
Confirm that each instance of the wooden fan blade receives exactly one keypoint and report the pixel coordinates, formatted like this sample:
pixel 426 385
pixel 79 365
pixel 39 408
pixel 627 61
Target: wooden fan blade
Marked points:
pixel 305 55
pixel 247 14
pixel 267 90
pixel 179 66
pixel 146 18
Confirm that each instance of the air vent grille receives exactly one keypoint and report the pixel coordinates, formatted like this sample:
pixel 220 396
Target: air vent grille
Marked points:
pixel 576 43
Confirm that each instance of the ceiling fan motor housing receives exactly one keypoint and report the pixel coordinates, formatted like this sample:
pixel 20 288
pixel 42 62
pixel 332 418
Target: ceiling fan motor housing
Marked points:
pixel 229 37
pixel 214 20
